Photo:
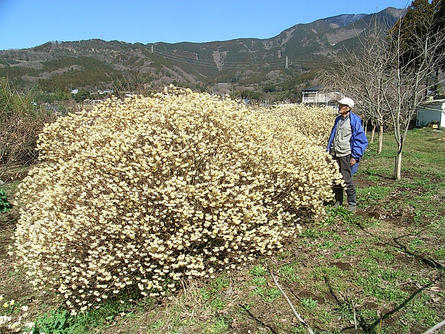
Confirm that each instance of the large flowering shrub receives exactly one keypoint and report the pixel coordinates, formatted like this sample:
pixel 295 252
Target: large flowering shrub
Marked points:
pixel 313 122
pixel 145 191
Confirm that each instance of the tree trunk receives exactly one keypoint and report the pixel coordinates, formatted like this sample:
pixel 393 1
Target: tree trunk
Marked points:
pixel 379 149
pixel 436 83
pixel 374 125
pixel 398 165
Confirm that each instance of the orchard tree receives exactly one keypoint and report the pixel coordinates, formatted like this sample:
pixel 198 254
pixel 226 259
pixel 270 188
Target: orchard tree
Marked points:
pixel 391 75
pixel 361 74
pixel 371 66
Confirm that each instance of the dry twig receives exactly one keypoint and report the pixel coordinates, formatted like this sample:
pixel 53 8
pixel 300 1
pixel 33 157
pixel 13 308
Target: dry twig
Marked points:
pixel 435 327
pixel 355 318
pixel 300 319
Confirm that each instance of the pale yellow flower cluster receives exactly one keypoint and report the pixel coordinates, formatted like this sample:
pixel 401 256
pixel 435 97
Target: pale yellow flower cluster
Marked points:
pixel 146 191
pixel 312 121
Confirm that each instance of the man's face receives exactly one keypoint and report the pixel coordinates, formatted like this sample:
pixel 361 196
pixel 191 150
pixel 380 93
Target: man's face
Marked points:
pixel 343 109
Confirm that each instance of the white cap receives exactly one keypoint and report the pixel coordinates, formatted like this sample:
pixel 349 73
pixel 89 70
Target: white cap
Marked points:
pixel 347 102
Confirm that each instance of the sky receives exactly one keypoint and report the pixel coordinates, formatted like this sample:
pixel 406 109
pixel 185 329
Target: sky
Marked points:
pixel 28 23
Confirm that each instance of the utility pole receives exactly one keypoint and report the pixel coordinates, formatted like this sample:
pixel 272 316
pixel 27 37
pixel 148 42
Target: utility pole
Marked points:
pixel 279 54
pixel 287 62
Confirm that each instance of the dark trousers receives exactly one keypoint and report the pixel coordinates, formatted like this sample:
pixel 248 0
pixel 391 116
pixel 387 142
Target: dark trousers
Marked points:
pixel 345 170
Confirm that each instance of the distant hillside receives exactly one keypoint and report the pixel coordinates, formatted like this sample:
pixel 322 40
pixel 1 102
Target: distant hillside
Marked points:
pixel 240 64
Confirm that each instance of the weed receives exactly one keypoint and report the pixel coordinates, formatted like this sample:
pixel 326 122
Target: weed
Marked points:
pixel 206 294
pixel 220 325
pixel 369 315
pixel 311 233
pixel 258 270
pixel 259 281
pixel 381 255
pixel 220 283
pixel 56 321
pixel 214 288
pixel 309 303
pixel 326 244
pixel 267 294
pixel 416 243
pixel 59 321
pixel 5 206
pixel 272 294
pixel 299 329
pixel 419 311
pixel 217 303
pixel 374 178
pixel 157 325
pixel 372 195
pixel 338 255
pixel 288 272
pixel 259 291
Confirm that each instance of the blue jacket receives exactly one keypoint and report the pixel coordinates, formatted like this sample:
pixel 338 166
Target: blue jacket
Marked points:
pixel 359 142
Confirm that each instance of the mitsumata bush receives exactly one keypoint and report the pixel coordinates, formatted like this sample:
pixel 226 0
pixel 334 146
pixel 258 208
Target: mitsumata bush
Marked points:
pixel 146 191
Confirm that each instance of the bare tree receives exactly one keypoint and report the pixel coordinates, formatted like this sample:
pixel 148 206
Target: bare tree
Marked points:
pixel 130 82
pixel 391 73
pixel 408 80
pixel 20 124
pixel 361 74
pixel 371 68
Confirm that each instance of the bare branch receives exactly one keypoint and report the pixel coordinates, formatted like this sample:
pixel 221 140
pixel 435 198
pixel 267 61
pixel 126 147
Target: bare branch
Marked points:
pixel 300 319
pixel 435 327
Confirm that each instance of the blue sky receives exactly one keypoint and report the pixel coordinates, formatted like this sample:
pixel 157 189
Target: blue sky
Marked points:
pixel 28 23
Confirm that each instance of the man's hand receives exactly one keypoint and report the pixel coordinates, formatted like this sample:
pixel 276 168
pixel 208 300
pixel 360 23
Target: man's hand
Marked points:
pixel 353 162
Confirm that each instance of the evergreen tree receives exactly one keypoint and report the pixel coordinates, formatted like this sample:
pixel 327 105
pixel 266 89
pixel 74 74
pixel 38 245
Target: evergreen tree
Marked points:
pixel 422 23
pixel 419 21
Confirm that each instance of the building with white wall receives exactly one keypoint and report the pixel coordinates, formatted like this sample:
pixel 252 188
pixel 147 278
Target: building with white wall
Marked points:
pixel 431 112
pixel 316 95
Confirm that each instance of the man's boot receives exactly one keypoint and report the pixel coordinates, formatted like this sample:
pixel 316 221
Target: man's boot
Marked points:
pixel 352 208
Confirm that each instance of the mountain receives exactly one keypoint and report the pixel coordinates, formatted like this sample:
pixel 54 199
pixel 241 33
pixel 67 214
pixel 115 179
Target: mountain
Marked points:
pixel 239 64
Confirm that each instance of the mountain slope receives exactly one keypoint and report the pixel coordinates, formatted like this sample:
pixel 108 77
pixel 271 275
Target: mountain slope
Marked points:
pixel 240 62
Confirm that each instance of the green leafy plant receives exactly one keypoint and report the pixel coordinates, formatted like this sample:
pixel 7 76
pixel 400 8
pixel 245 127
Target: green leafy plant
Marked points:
pixel 309 303
pixel 258 270
pixel 5 206
pixel 54 322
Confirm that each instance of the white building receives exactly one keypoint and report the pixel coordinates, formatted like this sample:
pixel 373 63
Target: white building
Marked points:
pixel 105 91
pixel 431 112
pixel 316 95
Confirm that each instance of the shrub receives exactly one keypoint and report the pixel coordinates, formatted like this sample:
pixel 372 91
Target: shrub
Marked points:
pixel 142 192
pixel 314 122
pixel 20 124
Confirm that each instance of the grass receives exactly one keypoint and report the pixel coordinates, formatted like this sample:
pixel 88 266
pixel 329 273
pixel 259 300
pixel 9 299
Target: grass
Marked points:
pixel 385 264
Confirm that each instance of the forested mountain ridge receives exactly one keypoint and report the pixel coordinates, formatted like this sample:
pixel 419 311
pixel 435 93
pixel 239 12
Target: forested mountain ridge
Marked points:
pixel 284 61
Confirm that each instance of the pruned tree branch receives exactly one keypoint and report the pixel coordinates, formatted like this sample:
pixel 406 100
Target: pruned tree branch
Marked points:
pixel 435 327
pixel 297 315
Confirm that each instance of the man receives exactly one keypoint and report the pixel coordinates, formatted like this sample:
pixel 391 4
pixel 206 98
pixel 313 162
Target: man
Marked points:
pixel 347 143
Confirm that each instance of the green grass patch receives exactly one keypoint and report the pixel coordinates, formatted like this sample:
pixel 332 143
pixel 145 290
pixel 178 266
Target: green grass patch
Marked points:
pixel 309 303
pixel 258 270
pixel 289 273
pixel 372 195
